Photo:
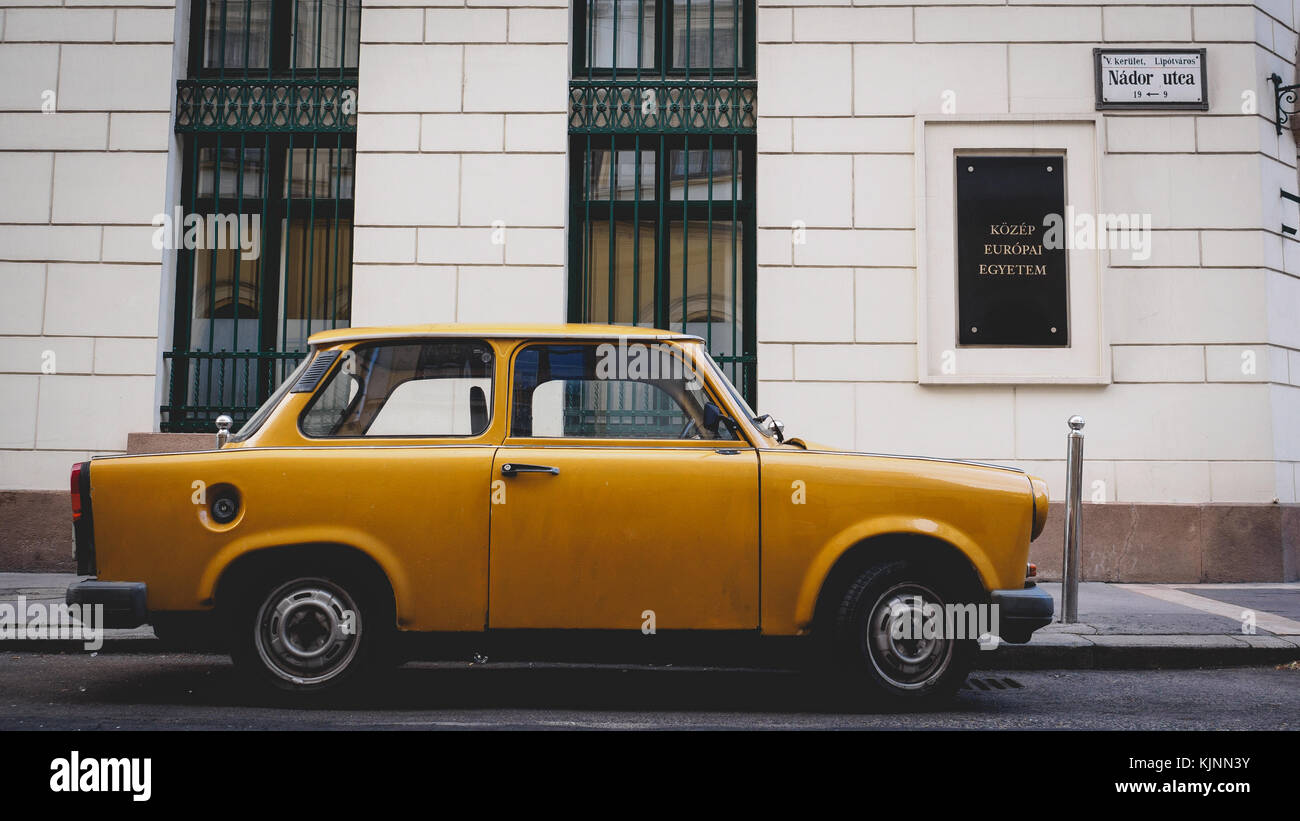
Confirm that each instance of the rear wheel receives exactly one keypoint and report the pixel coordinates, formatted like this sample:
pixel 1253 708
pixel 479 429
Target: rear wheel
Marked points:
pixel 311 632
pixel 884 639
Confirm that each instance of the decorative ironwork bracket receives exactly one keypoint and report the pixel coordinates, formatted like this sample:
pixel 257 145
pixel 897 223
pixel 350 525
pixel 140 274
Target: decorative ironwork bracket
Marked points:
pixel 262 105
pixel 663 106
pixel 1283 94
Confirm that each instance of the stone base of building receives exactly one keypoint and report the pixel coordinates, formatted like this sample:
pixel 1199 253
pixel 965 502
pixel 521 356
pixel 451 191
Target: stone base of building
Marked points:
pixel 1191 543
pixel 169 442
pixel 36 531
pixel 36 525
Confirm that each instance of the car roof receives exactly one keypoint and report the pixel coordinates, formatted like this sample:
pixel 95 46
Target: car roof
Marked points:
pixel 510 331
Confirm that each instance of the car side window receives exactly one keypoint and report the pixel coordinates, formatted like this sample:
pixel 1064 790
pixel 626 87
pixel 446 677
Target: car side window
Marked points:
pixel 582 391
pixel 405 389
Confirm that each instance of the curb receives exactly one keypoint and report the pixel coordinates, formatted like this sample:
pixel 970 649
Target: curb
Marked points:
pixel 1140 652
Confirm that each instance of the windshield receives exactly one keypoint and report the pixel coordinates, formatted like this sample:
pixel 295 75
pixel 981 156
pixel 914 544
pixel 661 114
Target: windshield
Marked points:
pixel 257 419
pixel 763 423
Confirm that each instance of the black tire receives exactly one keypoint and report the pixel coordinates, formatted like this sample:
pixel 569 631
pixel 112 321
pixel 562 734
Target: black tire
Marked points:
pixel 872 663
pixel 320 629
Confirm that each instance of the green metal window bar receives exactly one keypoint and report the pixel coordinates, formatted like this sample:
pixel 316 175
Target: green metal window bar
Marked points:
pixel 662 116
pixel 269 119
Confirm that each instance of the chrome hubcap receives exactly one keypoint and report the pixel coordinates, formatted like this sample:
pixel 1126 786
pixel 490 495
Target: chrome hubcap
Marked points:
pixel 308 631
pixel 901 639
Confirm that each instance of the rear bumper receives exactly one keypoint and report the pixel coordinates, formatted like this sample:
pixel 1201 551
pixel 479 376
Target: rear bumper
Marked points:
pixel 1021 612
pixel 125 603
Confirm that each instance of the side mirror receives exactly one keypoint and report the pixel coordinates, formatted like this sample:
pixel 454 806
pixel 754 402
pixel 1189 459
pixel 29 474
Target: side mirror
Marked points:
pixel 775 425
pixel 223 430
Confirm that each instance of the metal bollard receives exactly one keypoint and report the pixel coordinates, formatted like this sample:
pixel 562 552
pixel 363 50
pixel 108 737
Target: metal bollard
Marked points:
pixel 1073 522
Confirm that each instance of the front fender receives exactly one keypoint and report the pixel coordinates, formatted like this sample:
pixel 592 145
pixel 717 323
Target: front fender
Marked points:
pixel 848 538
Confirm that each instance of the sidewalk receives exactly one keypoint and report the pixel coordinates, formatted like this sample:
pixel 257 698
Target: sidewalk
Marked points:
pixel 1121 626
pixel 1139 626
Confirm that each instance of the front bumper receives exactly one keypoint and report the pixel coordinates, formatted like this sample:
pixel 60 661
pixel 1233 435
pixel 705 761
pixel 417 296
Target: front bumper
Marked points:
pixel 1021 612
pixel 125 603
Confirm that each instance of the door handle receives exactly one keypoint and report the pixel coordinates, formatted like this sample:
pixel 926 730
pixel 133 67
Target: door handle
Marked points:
pixel 514 468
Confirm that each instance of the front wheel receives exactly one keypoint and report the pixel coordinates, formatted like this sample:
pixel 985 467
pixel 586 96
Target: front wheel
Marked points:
pixel 886 641
pixel 310 632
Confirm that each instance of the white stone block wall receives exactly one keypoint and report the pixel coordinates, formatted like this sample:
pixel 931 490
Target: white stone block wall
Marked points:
pixel 1202 340
pixel 462 168
pixel 85 98
pixel 462 201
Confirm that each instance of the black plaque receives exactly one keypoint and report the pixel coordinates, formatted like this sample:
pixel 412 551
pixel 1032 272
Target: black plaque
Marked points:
pixel 1011 276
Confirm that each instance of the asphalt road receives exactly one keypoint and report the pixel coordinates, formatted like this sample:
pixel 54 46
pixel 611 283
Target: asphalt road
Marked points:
pixel 190 691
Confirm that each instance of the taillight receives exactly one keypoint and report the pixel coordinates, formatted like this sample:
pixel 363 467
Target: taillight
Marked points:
pixel 76 491
pixel 83 520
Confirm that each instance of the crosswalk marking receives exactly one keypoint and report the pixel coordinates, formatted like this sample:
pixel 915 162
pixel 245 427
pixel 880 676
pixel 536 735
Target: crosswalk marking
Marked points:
pixel 1277 625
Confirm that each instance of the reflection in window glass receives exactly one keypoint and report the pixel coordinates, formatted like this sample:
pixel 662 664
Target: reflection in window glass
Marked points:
pixel 630 272
pixel 237 34
pixel 711 307
pixel 317 272
pixel 326 33
pixel 620 175
pixel 235 178
pixel 603 38
pixel 221 295
pixel 405 389
pixel 688 174
pixel 705 33
pixel 320 172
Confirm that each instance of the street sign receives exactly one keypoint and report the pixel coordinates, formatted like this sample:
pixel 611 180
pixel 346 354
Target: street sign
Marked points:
pixel 1151 78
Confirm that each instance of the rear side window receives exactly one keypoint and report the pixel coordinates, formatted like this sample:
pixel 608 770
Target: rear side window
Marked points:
pixel 409 389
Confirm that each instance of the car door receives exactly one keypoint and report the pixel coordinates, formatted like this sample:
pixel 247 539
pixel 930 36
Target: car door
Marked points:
pixel 405 431
pixel 612 508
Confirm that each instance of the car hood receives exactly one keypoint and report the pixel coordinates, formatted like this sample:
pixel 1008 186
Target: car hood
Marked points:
pixel 821 447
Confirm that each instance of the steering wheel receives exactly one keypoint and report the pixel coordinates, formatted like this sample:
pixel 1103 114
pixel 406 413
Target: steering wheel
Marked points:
pixel 686 431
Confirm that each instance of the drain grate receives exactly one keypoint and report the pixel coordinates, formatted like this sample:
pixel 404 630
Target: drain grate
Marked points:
pixel 991 683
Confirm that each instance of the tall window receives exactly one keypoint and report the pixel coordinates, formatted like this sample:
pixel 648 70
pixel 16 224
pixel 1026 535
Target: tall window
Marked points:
pixel 662 115
pixel 268 123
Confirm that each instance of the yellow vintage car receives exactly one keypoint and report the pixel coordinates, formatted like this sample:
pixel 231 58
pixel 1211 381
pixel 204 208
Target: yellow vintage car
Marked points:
pixel 526 488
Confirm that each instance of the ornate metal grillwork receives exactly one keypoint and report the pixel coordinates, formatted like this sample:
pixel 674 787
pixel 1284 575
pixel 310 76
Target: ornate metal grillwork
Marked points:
pixel 665 107
pixel 260 106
